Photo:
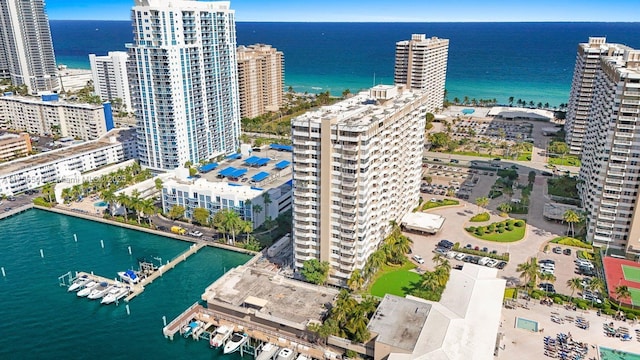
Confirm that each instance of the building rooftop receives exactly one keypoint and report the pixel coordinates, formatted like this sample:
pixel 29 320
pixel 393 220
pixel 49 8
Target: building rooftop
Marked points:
pixel 521 113
pixel 399 321
pixel 286 301
pixel 423 221
pixel 121 135
pixel 58 102
pixel 366 108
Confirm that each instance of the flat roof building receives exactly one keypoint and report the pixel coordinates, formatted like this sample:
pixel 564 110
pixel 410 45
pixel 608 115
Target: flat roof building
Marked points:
pixel 260 79
pixel 109 74
pixel 13 146
pixel 48 115
pixel 423 222
pixel 357 165
pixel 462 325
pixel 421 64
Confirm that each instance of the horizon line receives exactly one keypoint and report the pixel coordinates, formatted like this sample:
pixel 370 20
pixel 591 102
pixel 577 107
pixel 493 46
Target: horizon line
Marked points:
pixel 401 22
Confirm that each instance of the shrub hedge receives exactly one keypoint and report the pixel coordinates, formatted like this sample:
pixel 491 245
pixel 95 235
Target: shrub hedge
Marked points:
pixel 480 217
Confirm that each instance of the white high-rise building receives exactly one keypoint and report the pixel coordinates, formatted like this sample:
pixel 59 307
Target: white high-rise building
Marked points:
pixel 421 63
pixel 27 49
pixel 356 166
pixel 110 79
pixel 184 83
pixel 610 170
pixel 582 86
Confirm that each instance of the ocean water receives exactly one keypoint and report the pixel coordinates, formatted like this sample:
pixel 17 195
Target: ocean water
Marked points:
pixel 41 320
pixel 529 61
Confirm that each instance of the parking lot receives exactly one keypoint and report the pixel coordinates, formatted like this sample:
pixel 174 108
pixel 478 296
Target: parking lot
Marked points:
pixel 455 181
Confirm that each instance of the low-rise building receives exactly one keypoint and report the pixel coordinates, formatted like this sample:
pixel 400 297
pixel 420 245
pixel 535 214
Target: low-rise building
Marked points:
pixel 423 222
pixel 63 164
pixel 14 146
pixel 50 115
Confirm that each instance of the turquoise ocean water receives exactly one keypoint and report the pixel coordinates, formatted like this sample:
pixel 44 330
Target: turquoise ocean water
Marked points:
pixel 41 320
pixel 529 61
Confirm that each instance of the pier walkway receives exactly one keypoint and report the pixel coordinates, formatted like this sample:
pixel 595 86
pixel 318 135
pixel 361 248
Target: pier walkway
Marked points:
pixel 163 269
pixel 15 211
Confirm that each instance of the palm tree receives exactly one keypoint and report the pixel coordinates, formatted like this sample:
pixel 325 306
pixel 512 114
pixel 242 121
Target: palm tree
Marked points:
pixel 547 277
pixel 66 194
pixel 147 207
pixel 482 202
pixel 437 259
pixel 529 270
pixel 429 281
pixel 123 200
pixel 505 207
pixel 574 284
pixel 622 292
pixel 356 280
pixel 508 190
pixel 134 203
pixel 375 261
pixel 231 221
pixel 48 191
pixel 109 196
pixel 571 217
pixel 510 100
pixel 442 275
pixel 444 264
pixel 597 284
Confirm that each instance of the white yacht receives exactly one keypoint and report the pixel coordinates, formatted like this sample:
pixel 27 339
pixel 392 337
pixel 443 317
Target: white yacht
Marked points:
pixel 114 294
pixel 78 283
pixel 267 352
pixel 99 291
pixel 220 336
pixel 237 340
pixel 129 276
pixel 87 288
pixel 286 354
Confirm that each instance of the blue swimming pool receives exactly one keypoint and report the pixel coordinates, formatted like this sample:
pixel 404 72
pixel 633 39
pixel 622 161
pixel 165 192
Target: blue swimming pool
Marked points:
pixel 100 204
pixel 612 354
pixel 467 111
pixel 526 324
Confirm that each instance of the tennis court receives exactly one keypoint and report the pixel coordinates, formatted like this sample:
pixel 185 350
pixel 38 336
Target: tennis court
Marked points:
pixel 631 273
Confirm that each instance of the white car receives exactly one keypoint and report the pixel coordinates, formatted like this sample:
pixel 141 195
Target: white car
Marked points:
pixel 492 263
pixel 547 271
pixel 452 254
pixel 195 233
pixel 460 256
pixel 418 259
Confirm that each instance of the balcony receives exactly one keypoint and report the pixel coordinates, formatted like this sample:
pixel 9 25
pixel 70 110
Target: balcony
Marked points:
pixel 614 181
pixel 610 203
pixel 606 217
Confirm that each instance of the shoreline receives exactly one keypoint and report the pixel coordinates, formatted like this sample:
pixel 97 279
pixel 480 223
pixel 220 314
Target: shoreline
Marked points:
pixel 256 255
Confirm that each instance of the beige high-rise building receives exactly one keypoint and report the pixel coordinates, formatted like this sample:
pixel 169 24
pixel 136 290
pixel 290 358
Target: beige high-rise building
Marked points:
pixel 421 63
pixel 610 170
pixel 580 98
pixel 356 167
pixel 260 79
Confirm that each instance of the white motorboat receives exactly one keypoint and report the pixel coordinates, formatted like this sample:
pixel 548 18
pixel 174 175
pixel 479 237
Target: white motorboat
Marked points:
pixel 267 352
pixel 302 357
pixel 78 283
pixel 220 336
pixel 99 291
pixel 285 354
pixel 87 288
pixel 114 294
pixel 129 276
pixel 237 340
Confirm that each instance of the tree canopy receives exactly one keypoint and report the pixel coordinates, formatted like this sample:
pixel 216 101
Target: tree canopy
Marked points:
pixel 315 272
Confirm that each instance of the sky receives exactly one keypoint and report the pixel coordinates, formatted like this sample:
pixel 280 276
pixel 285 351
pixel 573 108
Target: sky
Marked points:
pixel 380 11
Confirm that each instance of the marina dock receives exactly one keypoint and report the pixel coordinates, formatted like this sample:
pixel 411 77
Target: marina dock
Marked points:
pixel 15 211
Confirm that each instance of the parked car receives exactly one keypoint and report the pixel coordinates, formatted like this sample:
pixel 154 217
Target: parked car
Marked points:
pixel 567 251
pixel 547 287
pixel 557 250
pixel 460 256
pixel 445 244
pixel 547 271
pixel 467 258
pixel 162 228
pixel 441 251
pixel 501 265
pixel 195 233
pixel 437 160
pixel 417 258
pixel 458 267
pixel 485 249
pixel 547 261
pixel 454 161
pixel 475 259
pixel 468 246
pixel 591 297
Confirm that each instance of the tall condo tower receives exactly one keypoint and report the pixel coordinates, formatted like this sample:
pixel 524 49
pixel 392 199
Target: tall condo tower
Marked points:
pixel 421 63
pixel 356 167
pixel 261 79
pixel 184 83
pixel 610 170
pixel 110 79
pixel 582 86
pixel 26 50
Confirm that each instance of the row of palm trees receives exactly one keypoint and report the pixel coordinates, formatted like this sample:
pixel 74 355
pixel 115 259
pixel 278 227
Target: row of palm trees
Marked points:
pixel 433 283
pixel 139 206
pixel 229 222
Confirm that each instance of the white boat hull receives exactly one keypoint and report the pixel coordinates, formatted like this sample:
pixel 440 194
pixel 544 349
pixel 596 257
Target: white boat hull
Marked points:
pixel 220 336
pixel 87 289
pixel 234 343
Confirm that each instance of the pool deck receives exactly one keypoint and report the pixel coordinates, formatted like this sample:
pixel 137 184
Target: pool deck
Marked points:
pixel 524 345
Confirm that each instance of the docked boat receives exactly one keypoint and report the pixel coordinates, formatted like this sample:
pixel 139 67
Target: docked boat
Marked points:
pixel 303 357
pixel 114 294
pixel 220 336
pixel 187 329
pixel 87 288
pixel 267 352
pixel 285 354
pixel 78 283
pixel 99 291
pixel 237 340
pixel 129 276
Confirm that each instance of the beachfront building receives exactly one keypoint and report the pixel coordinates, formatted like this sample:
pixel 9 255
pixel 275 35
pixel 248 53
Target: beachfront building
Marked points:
pixel 357 166
pixel 48 115
pixel 14 146
pixel 110 81
pixel 26 48
pixel 64 164
pixel 250 202
pixel 260 79
pixel 610 170
pixel 184 83
pixel 421 64
pixel 464 324
pixel 582 88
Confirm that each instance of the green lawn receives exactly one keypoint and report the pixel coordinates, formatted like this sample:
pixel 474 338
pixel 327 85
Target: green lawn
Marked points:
pixel 566 161
pixel 524 157
pixel 508 236
pixel 631 273
pixel 394 280
pixel 434 204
